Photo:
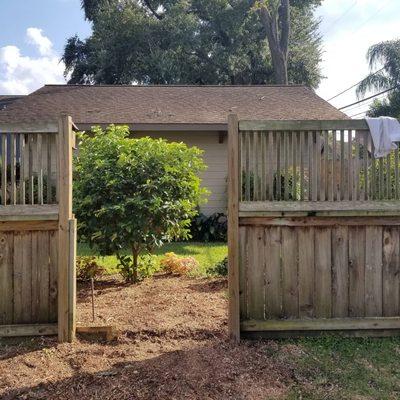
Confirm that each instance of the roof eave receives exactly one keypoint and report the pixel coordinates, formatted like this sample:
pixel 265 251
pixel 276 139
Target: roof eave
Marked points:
pixel 145 127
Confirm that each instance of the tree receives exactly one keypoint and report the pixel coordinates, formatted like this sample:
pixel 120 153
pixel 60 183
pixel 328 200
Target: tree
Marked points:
pixel 386 56
pixel 275 16
pixel 134 193
pixel 189 42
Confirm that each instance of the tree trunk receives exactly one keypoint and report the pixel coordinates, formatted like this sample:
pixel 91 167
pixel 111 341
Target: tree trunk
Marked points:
pixel 277 26
pixel 135 256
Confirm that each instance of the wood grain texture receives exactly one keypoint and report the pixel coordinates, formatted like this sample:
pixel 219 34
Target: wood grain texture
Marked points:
pixel 391 272
pixel 306 271
pixel 290 290
pixel 233 228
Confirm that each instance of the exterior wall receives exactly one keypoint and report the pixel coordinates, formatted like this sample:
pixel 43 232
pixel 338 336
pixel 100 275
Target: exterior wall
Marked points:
pixel 215 157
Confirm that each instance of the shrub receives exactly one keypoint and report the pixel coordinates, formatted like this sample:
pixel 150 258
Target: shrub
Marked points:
pixel 88 268
pixel 220 268
pixel 134 193
pixel 173 264
pixel 147 266
pixel 209 229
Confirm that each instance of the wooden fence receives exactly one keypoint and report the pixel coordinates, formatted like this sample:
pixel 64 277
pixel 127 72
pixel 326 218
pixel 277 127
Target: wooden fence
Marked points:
pixel 314 230
pixel 37 230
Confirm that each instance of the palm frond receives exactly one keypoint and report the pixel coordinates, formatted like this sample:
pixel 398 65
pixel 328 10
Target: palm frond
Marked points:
pixel 377 81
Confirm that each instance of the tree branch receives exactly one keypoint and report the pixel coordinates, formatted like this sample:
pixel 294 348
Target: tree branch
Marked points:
pixel 152 10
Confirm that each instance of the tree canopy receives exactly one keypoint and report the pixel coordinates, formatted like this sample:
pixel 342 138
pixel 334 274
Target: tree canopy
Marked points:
pixel 386 57
pixel 189 42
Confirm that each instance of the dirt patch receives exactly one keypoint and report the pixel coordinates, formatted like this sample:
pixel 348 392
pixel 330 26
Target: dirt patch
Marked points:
pixel 172 345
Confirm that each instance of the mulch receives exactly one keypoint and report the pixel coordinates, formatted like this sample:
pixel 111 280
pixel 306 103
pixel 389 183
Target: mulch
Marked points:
pixel 172 344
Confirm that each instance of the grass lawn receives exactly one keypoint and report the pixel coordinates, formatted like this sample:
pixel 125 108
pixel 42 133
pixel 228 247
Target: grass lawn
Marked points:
pixel 338 368
pixel 207 254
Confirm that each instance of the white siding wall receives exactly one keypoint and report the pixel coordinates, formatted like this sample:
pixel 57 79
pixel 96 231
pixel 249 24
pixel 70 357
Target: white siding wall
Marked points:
pixel 215 157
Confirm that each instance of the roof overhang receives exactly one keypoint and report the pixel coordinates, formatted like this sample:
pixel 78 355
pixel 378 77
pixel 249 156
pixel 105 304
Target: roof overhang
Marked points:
pixel 160 127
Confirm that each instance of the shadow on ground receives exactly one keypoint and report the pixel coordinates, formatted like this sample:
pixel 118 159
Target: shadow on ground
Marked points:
pixel 214 371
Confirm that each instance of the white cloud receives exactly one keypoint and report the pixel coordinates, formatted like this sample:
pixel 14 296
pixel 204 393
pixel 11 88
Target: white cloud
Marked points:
pixel 21 74
pixel 43 43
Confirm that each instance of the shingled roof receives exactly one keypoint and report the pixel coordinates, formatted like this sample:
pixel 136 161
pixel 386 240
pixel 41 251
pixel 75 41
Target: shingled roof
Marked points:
pixel 6 100
pixel 171 105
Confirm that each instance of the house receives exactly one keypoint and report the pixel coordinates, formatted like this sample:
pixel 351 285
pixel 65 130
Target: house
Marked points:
pixel 195 115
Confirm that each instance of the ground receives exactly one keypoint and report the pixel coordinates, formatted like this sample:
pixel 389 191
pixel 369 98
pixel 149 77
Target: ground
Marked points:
pixel 173 345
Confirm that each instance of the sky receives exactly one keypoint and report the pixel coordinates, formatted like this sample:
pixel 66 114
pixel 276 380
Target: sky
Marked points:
pixel 34 33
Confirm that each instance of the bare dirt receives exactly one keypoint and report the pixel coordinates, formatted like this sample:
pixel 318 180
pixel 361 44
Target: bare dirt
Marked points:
pixel 172 344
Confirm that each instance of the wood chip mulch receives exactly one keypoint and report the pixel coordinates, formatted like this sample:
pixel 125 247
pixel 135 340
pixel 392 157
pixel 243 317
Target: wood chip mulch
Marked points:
pixel 172 344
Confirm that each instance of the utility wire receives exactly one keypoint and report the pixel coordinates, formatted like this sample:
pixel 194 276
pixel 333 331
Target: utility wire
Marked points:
pixel 371 17
pixel 367 103
pixel 368 98
pixel 339 18
pixel 356 115
pixel 356 84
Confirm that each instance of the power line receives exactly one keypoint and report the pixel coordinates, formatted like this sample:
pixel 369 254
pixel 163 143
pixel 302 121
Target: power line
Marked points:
pixel 356 84
pixel 367 103
pixel 360 113
pixel 371 17
pixel 368 98
pixel 339 18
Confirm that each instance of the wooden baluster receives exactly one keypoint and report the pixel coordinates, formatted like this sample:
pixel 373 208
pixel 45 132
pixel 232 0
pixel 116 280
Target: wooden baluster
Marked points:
pixel 4 163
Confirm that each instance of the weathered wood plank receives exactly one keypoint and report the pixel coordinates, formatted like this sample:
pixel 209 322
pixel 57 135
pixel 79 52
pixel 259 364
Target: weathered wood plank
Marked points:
pixel 323 273
pixel 22 151
pixel 290 290
pixel 27 280
pixel 243 272
pixel 6 278
pixel 28 330
pixel 43 256
pixel 35 268
pixel 272 256
pixel 256 275
pixel 340 272
pixel 332 324
pixel 13 164
pixel 233 225
pixel 312 125
pixel 319 221
pixel 53 261
pixel 306 272
pixel 357 271
pixel 4 162
pixel 391 272
pixel 17 279
pixel 373 271
pixel 315 207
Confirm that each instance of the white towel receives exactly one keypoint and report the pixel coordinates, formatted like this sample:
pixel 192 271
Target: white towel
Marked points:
pixel 384 131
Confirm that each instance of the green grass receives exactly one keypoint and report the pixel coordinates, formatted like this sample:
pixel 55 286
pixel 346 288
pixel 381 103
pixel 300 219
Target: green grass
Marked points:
pixel 337 368
pixel 207 254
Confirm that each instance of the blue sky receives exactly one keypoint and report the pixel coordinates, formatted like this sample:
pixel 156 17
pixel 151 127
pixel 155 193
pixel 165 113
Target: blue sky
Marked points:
pixel 34 33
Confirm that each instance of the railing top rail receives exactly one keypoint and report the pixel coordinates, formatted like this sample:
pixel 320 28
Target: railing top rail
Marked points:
pixel 303 125
pixel 33 127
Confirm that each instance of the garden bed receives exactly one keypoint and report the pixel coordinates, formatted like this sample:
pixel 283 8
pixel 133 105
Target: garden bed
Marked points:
pixel 173 345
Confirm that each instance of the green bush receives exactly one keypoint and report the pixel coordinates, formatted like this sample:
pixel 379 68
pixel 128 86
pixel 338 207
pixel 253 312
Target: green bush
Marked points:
pixel 147 266
pixel 209 229
pixel 134 193
pixel 220 268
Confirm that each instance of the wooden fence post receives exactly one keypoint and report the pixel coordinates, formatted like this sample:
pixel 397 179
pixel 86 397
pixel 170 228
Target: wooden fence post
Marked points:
pixel 233 227
pixel 66 283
